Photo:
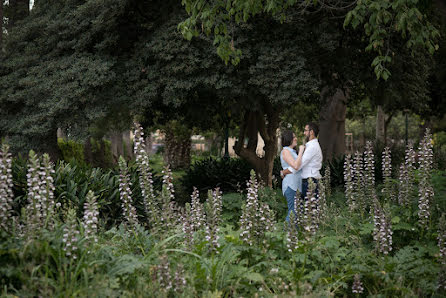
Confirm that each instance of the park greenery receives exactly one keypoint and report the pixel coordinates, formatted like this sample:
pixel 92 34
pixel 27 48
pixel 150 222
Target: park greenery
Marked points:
pixel 87 208
pixel 68 230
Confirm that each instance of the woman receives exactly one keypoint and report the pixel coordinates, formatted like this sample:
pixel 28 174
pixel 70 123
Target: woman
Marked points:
pixel 292 182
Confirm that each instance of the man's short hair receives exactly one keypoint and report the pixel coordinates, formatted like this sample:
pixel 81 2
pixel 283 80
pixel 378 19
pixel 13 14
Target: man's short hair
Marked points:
pixel 314 127
pixel 287 137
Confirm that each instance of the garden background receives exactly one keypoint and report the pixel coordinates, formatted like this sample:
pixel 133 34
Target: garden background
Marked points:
pixel 140 144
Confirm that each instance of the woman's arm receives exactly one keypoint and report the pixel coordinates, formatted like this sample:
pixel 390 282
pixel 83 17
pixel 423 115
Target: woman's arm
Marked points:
pixel 288 158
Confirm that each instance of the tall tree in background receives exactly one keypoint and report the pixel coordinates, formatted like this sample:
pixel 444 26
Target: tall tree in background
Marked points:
pixel 382 21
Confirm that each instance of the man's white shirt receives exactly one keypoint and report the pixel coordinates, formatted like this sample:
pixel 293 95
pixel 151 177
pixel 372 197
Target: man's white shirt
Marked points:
pixel 311 160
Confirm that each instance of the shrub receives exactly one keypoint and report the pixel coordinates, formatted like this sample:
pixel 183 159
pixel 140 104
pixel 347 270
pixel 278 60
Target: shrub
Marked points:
pixel 230 175
pixel 71 150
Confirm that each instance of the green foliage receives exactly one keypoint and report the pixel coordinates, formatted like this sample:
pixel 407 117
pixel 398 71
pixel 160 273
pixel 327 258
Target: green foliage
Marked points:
pixel 124 263
pixel 71 150
pixel 230 175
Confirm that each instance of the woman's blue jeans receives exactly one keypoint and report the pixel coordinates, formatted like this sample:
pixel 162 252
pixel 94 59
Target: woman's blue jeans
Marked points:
pixel 290 195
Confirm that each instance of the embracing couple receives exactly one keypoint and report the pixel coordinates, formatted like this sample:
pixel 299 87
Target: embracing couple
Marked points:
pixel 299 167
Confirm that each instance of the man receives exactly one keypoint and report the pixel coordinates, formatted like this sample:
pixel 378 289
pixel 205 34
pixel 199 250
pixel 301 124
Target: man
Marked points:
pixel 310 161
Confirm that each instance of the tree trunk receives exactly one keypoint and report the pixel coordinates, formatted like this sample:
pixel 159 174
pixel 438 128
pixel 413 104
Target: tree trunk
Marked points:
pixel 380 125
pixel 116 145
pixel 332 122
pixel 127 143
pixel 177 145
pixel 255 123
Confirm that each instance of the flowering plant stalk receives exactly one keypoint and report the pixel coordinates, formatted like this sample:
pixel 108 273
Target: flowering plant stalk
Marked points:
pixel 169 218
pixel 350 186
pixel 33 213
pixel 357 287
pixel 292 233
pixel 406 177
pixel 359 182
pixel 311 210
pixel 71 235
pixel 47 191
pixel 425 189
pixel 90 219
pixel 327 180
pixel 128 210
pixel 368 174
pixel 382 233
pixel 6 184
pixel 145 177
pixel 256 218
pixel 213 217
pixel 387 173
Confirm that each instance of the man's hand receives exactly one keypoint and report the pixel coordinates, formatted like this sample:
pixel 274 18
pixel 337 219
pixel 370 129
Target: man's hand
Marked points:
pixel 285 172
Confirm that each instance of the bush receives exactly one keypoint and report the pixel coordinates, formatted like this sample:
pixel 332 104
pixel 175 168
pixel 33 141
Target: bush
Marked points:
pixel 71 150
pixel 230 175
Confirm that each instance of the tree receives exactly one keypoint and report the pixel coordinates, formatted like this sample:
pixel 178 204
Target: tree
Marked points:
pixel 382 22
pixel 63 70
pixel 189 76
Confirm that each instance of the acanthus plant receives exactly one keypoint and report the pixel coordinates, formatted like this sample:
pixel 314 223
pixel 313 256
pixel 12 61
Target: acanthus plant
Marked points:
pixel 145 177
pixel 257 218
pixel 387 174
pixel 425 189
pixel 128 209
pixel 368 174
pixel 6 185
pixel 350 189
pixel 406 177
pixel 90 218
pixel 213 219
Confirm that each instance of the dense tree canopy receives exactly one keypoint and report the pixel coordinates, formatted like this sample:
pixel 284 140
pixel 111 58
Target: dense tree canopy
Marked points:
pixel 84 64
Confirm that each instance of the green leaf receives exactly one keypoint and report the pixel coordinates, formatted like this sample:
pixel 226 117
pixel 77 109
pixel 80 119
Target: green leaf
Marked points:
pixel 254 276
pixel 396 220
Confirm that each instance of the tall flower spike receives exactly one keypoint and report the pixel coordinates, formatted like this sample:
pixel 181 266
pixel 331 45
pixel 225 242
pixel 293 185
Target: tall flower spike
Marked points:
pixel 349 183
pixel 249 210
pixel 322 202
pixel 34 217
pixel 292 233
pixel 198 216
pixel 425 189
pixel 6 184
pixel 213 216
pixel 90 219
pixel 145 176
pixel 47 191
pixel 403 186
pixel 357 287
pixel 128 210
pixel 71 235
pixel 327 180
pixel 387 173
pixel 406 177
pixel 382 234
pixel 169 218
pixel 163 274
pixel 311 210
pixel 179 280
pixel 359 182
pixel 188 229
pixel 368 173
